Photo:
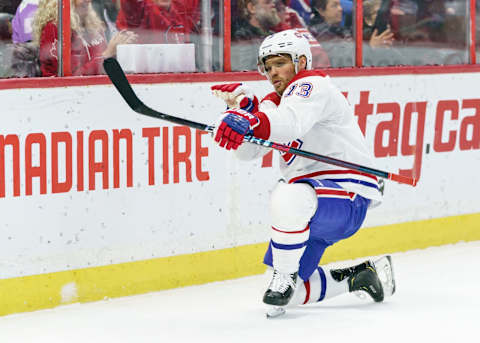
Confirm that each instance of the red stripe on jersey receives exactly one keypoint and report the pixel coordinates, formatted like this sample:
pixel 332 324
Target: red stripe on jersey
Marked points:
pixel 335 172
pixel 331 191
pixel 273 97
pixel 306 229
pixel 307 289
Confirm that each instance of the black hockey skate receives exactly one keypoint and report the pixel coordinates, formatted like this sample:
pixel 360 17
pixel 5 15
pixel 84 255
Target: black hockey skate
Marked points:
pixel 281 289
pixel 367 280
pixel 341 274
pixel 375 278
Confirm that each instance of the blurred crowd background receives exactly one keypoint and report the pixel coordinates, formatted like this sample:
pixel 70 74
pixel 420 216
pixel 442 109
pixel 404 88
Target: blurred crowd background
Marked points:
pixel 395 32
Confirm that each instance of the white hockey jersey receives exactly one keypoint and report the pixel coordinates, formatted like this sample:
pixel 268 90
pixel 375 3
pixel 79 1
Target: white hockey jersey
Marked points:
pixel 314 116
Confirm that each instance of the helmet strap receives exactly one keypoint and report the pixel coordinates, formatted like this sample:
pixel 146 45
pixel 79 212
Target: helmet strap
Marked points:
pixel 296 62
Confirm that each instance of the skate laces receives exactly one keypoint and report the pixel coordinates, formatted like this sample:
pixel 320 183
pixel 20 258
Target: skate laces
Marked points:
pixel 281 282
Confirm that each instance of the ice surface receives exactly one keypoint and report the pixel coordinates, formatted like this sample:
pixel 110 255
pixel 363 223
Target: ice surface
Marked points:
pixel 437 300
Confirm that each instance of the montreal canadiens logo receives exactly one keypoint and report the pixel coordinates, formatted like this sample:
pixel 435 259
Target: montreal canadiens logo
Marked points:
pixel 289 157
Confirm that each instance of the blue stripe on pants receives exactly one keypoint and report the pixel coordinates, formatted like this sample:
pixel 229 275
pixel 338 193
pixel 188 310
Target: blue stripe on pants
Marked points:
pixel 324 283
pixel 287 246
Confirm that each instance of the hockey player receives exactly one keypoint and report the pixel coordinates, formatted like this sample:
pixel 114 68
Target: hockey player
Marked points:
pixel 317 204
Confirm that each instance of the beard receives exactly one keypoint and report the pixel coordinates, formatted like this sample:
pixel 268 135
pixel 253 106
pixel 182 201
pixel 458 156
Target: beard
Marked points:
pixel 268 19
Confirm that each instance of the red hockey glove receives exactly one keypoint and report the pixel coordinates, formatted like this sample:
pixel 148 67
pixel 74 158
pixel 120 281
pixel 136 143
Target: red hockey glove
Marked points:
pixel 236 95
pixel 233 125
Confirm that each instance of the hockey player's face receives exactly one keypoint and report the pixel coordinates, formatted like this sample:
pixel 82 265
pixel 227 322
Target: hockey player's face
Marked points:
pixel 280 71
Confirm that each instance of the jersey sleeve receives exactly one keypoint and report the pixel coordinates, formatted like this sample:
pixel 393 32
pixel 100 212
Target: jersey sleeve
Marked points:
pixel 269 102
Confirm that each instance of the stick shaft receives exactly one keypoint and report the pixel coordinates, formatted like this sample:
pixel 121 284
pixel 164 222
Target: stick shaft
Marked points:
pixel 120 81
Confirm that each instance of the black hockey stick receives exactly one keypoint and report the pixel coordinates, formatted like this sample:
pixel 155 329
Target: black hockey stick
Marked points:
pixel 119 80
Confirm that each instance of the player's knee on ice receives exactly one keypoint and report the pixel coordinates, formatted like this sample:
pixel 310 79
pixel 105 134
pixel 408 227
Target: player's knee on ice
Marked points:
pixel 292 205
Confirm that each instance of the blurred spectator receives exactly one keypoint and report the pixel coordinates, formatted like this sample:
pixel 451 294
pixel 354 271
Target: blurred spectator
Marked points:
pixel 326 21
pixel 335 39
pixel 9 6
pixel 378 35
pixel 289 18
pixel 403 18
pixel 432 13
pixel 5 27
pixel 88 43
pixel 303 8
pixel 376 31
pixel 22 22
pixel 255 19
pixel 190 10
pixel 25 61
pixel 5 42
pixel 155 21
pixel 319 55
pixel 347 15
pixel 107 11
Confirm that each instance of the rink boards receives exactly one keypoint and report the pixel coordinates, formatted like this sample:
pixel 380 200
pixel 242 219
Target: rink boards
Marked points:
pixel 98 201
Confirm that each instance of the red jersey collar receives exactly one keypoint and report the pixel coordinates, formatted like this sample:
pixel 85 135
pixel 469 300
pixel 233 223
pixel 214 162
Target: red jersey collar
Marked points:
pixel 305 73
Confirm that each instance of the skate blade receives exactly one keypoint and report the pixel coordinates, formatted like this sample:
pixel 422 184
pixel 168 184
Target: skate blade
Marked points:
pixel 361 295
pixel 384 269
pixel 275 311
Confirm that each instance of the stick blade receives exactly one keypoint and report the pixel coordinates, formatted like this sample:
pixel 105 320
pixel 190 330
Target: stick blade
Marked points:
pixel 403 179
pixel 119 80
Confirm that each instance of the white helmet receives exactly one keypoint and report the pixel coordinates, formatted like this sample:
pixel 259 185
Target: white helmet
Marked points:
pixel 294 42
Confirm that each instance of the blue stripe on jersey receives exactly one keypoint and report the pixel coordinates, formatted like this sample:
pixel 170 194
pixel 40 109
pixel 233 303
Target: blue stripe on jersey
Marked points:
pixel 250 106
pixel 288 246
pixel 324 283
pixel 364 183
